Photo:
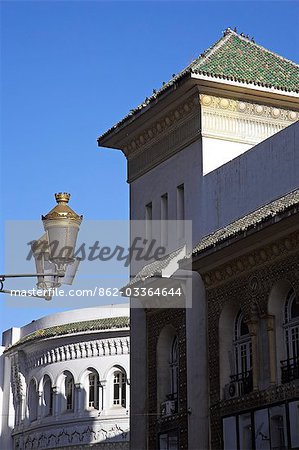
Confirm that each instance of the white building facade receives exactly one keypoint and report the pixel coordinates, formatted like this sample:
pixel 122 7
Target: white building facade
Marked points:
pixel 65 380
pixel 214 144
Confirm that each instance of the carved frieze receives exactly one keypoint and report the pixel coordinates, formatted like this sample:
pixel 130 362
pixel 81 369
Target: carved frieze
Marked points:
pixel 168 135
pixel 251 262
pixel 95 348
pixel 71 436
pixel 241 121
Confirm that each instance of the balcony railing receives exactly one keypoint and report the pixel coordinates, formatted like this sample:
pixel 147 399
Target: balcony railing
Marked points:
pixel 241 384
pixel 289 370
pixel 169 406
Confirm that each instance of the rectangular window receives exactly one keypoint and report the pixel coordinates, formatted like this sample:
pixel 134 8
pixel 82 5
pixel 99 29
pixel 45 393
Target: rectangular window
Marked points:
pixel 294 420
pixel 169 441
pixel 278 427
pixel 261 427
pixel 230 433
pixel 245 431
pixel 164 219
pixel 181 210
pixel 148 221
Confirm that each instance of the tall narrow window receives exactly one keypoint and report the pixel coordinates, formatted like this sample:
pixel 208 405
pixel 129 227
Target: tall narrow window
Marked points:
pixel 181 210
pixel 47 396
pixel 290 367
pixel 119 389
pixel 174 366
pixel 69 391
pixel 164 219
pixel 243 356
pixel 93 390
pixel 148 221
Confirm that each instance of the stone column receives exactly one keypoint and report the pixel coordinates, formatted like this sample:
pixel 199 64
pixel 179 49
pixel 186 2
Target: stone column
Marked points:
pixel 105 400
pixel 56 405
pixel 272 348
pixel 40 405
pixel 78 398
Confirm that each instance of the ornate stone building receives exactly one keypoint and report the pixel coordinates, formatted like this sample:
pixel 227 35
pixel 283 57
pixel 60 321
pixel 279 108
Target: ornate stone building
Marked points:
pixel 66 378
pixel 218 146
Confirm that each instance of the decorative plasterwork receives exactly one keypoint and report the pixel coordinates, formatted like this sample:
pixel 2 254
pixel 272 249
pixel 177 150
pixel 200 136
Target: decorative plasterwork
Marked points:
pixel 246 282
pixel 86 349
pixel 164 137
pixel 240 121
pixel 251 262
pixel 73 435
pixel 17 372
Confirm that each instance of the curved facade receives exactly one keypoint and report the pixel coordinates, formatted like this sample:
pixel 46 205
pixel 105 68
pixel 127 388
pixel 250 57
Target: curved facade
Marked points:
pixel 68 378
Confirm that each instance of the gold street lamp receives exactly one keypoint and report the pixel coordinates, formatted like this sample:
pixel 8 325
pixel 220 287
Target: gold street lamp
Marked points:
pixel 54 251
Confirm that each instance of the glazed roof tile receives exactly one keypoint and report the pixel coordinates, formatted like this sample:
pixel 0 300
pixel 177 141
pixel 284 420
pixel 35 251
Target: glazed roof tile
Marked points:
pixel 250 221
pixel 110 323
pixel 235 58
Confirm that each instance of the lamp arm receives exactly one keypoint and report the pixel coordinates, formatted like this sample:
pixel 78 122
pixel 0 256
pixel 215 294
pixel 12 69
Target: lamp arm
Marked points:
pixel 25 275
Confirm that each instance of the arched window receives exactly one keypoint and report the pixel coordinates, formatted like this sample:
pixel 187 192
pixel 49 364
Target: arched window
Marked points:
pixel 290 367
pixel 32 400
pixel 167 371
pixel 93 390
pixel 243 355
pixel 174 366
pixel 47 396
pixel 119 388
pixel 69 391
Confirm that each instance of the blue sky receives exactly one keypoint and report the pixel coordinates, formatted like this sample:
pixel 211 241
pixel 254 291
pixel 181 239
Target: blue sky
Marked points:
pixel 71 69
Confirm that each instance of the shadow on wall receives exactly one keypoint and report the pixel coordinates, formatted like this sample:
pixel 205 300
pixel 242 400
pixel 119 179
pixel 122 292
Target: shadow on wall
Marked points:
pixel 5 426
pixel 72 415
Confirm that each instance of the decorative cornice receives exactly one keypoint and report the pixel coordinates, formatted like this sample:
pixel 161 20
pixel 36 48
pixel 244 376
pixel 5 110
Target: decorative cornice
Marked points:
pixel 168 135
pixel 240 121
pixel 257 399
pixel 86 349
pixel 165 123
pixel 251 261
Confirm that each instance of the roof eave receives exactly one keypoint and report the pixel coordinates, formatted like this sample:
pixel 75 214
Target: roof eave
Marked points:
pixel 245 85
pixel 112 137
pixel 284 223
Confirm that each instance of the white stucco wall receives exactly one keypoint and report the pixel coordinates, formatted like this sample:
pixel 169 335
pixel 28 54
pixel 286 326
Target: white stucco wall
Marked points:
pixel 268 171
pixel 216 152
pixel 104 351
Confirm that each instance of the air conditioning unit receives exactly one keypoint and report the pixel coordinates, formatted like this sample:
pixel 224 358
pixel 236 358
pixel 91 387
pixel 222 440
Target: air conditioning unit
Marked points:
pixel 230 390
pixel 168 408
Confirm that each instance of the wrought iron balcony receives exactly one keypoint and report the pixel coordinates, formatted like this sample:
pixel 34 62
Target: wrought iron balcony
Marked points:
pixel 240 384
pixel 169 406
pixel 289 370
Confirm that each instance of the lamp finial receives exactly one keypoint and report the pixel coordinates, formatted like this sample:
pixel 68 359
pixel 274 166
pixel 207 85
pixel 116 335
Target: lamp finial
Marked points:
pixel 62 197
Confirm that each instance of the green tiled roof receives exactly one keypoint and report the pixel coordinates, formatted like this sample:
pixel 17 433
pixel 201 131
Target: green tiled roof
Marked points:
pixel 110 323
pixel 234 58
pixel 237 58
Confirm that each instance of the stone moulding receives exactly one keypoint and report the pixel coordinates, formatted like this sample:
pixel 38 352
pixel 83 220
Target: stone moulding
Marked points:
pixel 203 115
pixel 241 121
pixel 251 261
pixel 95 348
pixel 165 137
